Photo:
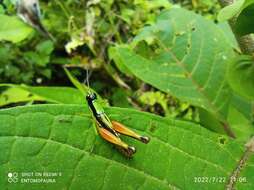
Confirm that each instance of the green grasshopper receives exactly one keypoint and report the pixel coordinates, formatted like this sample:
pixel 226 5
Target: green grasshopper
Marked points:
pixel 111 130
pixel 107 129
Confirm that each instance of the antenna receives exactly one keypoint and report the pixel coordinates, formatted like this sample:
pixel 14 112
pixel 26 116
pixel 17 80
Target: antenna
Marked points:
pixel 86 81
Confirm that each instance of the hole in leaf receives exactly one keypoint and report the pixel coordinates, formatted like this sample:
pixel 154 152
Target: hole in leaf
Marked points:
pixel 222 140
pixel 193 29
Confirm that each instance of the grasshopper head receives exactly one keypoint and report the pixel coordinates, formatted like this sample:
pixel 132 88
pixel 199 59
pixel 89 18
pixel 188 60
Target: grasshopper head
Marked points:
pixel 91 96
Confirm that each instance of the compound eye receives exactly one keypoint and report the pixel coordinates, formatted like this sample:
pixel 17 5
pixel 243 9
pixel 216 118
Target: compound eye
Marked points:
pixel 93 96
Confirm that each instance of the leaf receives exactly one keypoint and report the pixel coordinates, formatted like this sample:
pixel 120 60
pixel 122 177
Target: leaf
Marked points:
pixel 230 11
pixel 240 76
pixel 16 95
pixel 21 93
pixel 61 95
pixel 45 47
pixel 225 27
pixel 240 124
pixel 41 56
pixel 240 119
pixel 188 59
pixel 113 54
pixel 244 22
pixel 234 9
pixel 210 122
pixel 127 14
pixel 60 138
pixel 82 88
pixel 13 29
pixel 243 106
pixel 35 58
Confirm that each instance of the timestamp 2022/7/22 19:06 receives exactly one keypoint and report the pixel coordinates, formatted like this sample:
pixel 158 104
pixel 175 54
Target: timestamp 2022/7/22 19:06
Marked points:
pixel 205 179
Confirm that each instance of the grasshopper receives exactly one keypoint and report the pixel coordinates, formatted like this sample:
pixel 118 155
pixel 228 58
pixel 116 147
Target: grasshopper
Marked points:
pixel 111 130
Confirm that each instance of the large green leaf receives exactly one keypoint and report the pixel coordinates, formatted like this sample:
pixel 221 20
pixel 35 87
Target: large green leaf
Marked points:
pixel 22 93
pixel 60 138
pixel 187 57
pixel 13 29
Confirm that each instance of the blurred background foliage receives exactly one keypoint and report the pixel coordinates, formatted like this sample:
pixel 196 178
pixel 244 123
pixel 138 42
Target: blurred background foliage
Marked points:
pixel 84 30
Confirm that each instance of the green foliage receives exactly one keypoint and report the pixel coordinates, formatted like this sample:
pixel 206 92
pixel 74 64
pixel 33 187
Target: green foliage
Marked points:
pixel 240 76
pixel 231 10
pixel 31 65
pixel 208 8
pixel 170 106
pixel 242 126
pixel 64 141
pixel 244 21
pixel 16 95
pixel 243 106
pixel 181 64
pixel 225 27
pixel 153 98
pixel 243 11
pixel 13 29
pixel 88 33
pixel 21 93
pixel 83 89
pixel 41 55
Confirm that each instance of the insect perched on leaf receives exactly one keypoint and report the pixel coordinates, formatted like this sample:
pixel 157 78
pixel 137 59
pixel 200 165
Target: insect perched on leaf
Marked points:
pixel 107 129
pixel 111 130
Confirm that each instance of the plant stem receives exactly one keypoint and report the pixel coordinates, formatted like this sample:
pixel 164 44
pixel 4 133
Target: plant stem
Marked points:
pixel 228 130
pixel 245 42
pixel 66 12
